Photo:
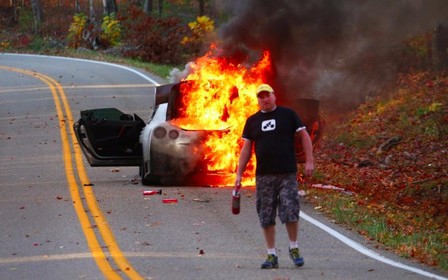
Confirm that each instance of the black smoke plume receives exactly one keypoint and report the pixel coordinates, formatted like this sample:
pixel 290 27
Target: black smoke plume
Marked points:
pixel 333 50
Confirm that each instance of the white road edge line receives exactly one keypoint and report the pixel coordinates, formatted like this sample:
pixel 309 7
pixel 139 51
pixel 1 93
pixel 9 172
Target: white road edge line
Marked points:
pixel 356 246
pixel 149 79
pixel 364 250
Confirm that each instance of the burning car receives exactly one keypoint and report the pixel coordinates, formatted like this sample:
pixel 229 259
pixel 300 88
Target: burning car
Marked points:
pixel 194 134
pixel 175 148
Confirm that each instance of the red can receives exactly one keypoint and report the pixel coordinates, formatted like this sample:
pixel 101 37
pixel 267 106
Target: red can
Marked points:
pixel 169 200
pixel 236 198
pixel 159 192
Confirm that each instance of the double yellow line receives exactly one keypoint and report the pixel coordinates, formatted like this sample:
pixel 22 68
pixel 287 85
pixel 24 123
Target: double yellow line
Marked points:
pixel 77 167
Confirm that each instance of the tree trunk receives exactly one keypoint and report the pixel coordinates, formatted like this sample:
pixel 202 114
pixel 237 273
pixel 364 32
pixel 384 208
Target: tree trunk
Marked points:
pixel 147 8
pixel 110 7
pixel 160 7
pixel 201 7
pixel 91 11
pixel 37 15
pixel 15 10
pixel 213 8
pixel 77 6
pixel 440 47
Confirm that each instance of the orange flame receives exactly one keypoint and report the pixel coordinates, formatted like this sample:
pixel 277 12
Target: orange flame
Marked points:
pixel 221 98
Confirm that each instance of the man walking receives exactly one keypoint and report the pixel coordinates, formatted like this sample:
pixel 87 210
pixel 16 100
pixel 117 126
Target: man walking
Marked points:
pixel 272 130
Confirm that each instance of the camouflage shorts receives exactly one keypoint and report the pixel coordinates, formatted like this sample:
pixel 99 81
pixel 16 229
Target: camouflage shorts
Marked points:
pixel 277 191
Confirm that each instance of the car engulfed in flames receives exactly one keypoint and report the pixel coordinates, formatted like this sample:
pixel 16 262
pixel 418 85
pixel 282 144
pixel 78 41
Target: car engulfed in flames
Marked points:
pixel 172 148
pixel 194 134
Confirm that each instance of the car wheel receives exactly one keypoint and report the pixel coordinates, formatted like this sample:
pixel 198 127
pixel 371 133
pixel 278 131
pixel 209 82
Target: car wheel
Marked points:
pixel 148 180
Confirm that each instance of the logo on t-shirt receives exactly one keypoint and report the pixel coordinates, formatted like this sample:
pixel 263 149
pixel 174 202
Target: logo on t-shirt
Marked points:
pixel 268 125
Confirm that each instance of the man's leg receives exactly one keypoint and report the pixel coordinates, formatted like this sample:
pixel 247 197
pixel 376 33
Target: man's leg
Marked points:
pixel 267 212
pixel 289 209
pixel 293 230
pixel 269 236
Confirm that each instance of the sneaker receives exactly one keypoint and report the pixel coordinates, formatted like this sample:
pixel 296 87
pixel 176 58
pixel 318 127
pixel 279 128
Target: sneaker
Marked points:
pixel 271 262
pixel 295 256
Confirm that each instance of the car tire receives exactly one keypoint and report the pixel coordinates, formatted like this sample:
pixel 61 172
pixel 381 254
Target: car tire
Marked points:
pixel 148 180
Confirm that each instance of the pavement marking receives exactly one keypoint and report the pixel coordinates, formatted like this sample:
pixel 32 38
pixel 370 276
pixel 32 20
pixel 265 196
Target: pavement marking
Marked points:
pixel 87 255
pixel 106 86
pixel 92 202
pixel 65 125
pixel 57 257
pixel 97 252
pixel 364 250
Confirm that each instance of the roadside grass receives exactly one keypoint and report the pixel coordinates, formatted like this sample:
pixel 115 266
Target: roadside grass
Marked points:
pixel 427 245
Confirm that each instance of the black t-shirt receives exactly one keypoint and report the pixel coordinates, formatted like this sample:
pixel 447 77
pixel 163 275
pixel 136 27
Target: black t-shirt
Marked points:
pixel 273 134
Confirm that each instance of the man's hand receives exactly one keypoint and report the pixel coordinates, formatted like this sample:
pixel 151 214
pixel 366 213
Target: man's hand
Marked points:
pixel 309 168
pixel 237 184
pixel 307 146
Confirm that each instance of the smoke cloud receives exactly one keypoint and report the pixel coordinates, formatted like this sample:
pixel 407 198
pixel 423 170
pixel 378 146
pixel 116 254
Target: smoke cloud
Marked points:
pixel 333 50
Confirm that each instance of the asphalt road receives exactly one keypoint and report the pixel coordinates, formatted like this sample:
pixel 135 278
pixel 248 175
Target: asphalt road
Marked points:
pixel 62 219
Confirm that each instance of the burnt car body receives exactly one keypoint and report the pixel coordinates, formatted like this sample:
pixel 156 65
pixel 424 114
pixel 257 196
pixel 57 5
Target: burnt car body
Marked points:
pixel 165 153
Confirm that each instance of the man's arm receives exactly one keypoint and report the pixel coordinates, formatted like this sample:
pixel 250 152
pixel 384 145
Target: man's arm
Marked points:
pixel 244 158
pixel 307 146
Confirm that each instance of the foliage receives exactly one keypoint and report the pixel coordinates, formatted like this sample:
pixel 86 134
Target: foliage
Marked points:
pixel 185 10
pixel 76 29
pixel 18 42
pixel 25 20
pixel 37 44
pixel 84 33
pixel 111 30
pixel 399 195
pixel 56 27
pixel 4 45
pixel 152 39
pixel 200 29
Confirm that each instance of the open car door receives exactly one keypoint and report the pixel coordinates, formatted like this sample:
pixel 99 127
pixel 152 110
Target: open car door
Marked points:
pixel 109 137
